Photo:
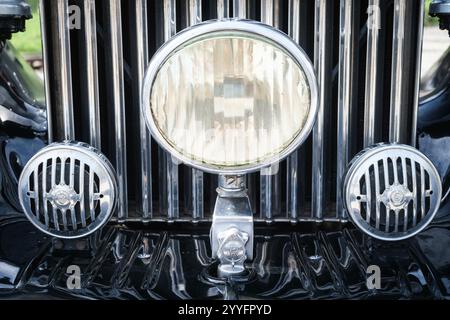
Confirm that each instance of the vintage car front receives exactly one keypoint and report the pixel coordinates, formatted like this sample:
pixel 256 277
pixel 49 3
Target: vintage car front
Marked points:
pixel 224 149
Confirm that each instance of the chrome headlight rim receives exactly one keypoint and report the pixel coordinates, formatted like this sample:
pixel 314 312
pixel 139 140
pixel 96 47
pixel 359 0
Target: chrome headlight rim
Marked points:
pixel 250 27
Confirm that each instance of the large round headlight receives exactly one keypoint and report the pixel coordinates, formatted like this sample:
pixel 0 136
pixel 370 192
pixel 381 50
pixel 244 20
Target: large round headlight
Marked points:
pixel 230 96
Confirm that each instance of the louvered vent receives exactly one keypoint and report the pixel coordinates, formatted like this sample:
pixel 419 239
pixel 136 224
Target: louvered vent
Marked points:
pixel 392 191
pixel 68 190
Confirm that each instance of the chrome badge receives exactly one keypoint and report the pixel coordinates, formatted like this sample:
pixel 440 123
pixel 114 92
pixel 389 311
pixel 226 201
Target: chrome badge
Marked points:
pixel 68 190
pixel 392 191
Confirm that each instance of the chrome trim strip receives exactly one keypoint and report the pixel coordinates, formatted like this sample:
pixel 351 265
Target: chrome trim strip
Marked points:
pixel 397 78
pixel 414 185
pixel 170 29
pixel 63 104
pixel 53 181
pixel 269 12
pixel 223 9
pixel 36 191
pixel 194 12
pixel 118 101
pixel 195 16
pixel 377 195
pixel 44 194
pixel 91 194
pixel 240 9
pixel 345 98
pixel 418 72
pixel 145 203
pixel 422 192
pixel 81 193
pixel 170 18
pixel 368 195
pixel 318 152
pixel 90 33
pixel 371 86
pixel 44 41
pixel 405 183
pixel 292 186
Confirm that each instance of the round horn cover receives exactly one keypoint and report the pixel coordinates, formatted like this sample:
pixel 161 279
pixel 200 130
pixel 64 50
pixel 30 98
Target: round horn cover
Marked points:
pixel 68 190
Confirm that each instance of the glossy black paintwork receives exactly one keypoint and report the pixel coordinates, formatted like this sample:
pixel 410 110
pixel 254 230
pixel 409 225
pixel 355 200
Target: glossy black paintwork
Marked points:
pixel 135 264
pixel 23 120
pixel 433 123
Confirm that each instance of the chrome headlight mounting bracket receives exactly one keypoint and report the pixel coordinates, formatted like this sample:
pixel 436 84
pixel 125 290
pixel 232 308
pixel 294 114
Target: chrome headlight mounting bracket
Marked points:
pixel 232 226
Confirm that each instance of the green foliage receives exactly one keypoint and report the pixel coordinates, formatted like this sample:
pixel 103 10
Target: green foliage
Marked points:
pixel 429 21
pixel 29 42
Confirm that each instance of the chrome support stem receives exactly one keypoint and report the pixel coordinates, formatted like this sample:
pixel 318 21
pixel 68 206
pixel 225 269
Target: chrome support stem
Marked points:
pixel 232 227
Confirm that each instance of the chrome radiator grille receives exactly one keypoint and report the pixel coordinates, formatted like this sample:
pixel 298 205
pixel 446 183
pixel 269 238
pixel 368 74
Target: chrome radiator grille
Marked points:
pixel 367 58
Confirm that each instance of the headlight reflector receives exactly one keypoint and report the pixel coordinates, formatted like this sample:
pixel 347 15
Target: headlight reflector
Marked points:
pixel 230 96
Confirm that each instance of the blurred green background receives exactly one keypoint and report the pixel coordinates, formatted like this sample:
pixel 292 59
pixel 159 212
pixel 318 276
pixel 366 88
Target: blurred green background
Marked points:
pixel 29 42
pixel 429 21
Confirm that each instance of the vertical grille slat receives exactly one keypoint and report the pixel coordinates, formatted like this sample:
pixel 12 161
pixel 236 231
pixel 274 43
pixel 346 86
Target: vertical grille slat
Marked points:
pixel 405 72
pixel 73 219
pixel 36 191
pixel 44 194
pixel 91 194
pixel 322 65
pixel 240 9
pixel 397 74
pixel 270 181
pixel 223 9
pixel 293 160
pixel 404 171
pixel 171 179
pixel 81 194
pixel 194 17
pixel 46 46
pixel 422 192
pixel 64 219
pixel 377 195
pixel 194 12
pixel 368 196
pixel 346 101
pixel 116 64
pixel 90 34
pixel 53 182
pixel 414 191
pixel 266 175
pixel 62 92
pixel 418 65
pixel 144 196
pixel 372 109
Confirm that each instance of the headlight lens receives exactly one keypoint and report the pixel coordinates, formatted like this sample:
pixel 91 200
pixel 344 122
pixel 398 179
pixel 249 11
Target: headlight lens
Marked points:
pixel 230 100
